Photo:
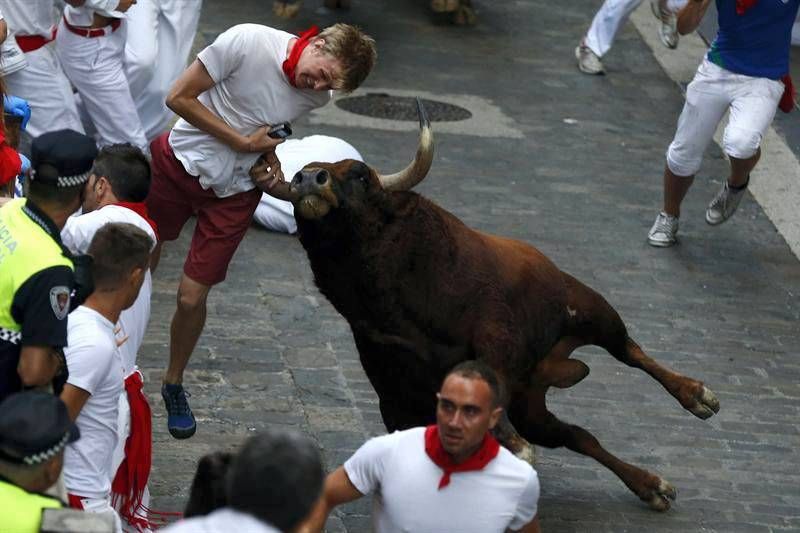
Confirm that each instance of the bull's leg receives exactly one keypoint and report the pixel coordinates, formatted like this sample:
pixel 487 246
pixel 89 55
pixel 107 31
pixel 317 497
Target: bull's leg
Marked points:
pixel 286 9
pixel 542 427
pixel 596 322
pixel 505 433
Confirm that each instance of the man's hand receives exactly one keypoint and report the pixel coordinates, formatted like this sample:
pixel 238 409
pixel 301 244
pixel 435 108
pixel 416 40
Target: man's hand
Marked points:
pixel 267 173
pixel 125 5
pixel 260 142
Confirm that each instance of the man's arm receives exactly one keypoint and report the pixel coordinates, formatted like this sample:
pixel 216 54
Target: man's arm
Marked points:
pixel 338 490
pixel 182 99
pixel 75 398
pixel 691 14
pixel 37 365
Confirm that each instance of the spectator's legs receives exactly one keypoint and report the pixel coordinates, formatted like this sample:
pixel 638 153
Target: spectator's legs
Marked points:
pixel 162 29
pixel 606 24
pixel 43 84
pixel 95 67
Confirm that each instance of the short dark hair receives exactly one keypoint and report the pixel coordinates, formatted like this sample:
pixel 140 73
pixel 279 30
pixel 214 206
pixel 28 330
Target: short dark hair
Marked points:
pixel 116 249
pixel 127 170
pixel 475 369
pixel 41 192
pixel 209 490
pixel 276 477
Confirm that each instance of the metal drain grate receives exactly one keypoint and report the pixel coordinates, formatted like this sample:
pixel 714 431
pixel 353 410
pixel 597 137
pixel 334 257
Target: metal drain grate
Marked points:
pixel 382 105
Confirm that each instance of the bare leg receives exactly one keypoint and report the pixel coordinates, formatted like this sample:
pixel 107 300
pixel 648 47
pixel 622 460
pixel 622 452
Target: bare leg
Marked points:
pixel 187 325
pixel 741 168
pixel 675 189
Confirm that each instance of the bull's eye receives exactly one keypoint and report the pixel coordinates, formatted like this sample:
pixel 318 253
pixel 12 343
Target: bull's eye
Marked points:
pixel 322 177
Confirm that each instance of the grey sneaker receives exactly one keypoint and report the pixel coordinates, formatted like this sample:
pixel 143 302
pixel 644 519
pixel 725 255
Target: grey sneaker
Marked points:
pixel 724 204
pixel 668 30
pixel 588 61
pixel 664 231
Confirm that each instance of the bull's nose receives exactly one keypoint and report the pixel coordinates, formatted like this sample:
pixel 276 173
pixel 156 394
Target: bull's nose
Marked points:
pixel 314 177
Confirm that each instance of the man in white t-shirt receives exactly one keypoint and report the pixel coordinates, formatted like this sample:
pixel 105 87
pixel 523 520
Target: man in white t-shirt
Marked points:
pixel 278 215
pixel 250 78
pixel 121 255
pixel 115 192
pixel 451 476
pixel 40 80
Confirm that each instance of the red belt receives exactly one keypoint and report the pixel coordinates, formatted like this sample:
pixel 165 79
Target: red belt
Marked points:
pixel 29 43
pixel 92 32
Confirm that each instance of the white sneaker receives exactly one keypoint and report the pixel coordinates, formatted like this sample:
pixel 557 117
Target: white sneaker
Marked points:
pixel 668 30
pixel 664 231
pixel 588 61
pixel 724 204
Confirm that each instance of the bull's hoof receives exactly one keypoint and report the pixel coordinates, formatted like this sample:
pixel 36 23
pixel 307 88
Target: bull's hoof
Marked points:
pixel 705 404
pixel 465 16
pixel 660 496
pixel 286 10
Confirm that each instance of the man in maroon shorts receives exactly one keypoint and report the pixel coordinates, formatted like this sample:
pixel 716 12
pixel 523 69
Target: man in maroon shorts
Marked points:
pixel 250 78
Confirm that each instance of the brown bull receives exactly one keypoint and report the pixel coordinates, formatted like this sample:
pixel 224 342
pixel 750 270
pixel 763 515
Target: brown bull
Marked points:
pixel 422 292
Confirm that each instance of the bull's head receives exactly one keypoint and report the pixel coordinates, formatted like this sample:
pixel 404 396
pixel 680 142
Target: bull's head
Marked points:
pixel 318 187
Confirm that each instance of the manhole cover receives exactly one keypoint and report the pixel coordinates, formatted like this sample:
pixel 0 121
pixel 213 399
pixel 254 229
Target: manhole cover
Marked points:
pixel 381 105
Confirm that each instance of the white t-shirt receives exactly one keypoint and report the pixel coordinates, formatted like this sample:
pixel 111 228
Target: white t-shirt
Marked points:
pixel 95 366
pixel 504 495
pixel 224 519
pixel 30 17
pixel 84 15
pixel 250 91
pixel 294 154
pixel 77 235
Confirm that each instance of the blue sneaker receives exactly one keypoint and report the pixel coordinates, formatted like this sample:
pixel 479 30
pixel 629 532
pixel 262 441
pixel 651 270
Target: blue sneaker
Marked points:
pixel 180 420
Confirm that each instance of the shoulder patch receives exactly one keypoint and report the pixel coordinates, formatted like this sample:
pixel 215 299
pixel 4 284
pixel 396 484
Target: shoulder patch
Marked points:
pixel 59 301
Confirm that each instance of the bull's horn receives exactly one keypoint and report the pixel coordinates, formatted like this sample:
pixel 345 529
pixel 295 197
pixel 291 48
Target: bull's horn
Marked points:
pixel 415 172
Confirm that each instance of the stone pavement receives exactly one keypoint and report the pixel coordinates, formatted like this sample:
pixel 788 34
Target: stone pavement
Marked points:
pixel 579 177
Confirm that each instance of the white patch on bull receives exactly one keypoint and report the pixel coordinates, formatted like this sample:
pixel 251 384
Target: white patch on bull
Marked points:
pixel 572 312
pixel 527 453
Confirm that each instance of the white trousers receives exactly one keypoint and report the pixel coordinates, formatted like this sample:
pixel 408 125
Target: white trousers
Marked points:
pixel 159 38
pixel 275 215
pixel 713 91
pixel 94 65
pixel 43 84
pixel 610 18
pixel 102 506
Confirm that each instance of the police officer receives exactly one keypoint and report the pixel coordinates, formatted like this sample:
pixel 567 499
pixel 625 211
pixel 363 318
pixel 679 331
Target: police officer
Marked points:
pixel 34 430
pixel 37 274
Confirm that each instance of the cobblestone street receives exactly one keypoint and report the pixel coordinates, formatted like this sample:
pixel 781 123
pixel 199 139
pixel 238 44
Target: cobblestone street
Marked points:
pixel 571 164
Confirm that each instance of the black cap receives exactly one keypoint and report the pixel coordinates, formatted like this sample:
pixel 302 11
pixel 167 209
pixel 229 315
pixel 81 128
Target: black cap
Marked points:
pixel 62 158
pixel 34 427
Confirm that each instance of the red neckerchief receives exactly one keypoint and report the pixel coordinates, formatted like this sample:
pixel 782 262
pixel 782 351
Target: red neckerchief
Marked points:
pixel 303 40
pixel 744 5
pixel 477 461
pixel 131 477
pixel 140 209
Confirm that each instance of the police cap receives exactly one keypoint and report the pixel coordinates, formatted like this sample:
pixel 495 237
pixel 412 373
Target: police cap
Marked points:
pixel 63 158
pixel 34 428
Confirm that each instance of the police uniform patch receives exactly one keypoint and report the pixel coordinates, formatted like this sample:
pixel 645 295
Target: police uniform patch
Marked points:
pixel 59 301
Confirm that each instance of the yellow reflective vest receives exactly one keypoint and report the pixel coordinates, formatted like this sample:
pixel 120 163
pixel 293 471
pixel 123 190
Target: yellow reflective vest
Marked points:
pixel 22 510
pixel 25 249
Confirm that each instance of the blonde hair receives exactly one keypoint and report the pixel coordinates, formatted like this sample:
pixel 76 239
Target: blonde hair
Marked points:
pixel 353 49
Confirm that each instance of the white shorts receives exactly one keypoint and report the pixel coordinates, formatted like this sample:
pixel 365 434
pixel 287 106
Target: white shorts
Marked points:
pixel 752 103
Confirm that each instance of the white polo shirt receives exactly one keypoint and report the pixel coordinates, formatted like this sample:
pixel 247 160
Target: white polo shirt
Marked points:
pixel 224 519
pixel 94 365
pixel 250 91
pixel 404 480
pixel 77 235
